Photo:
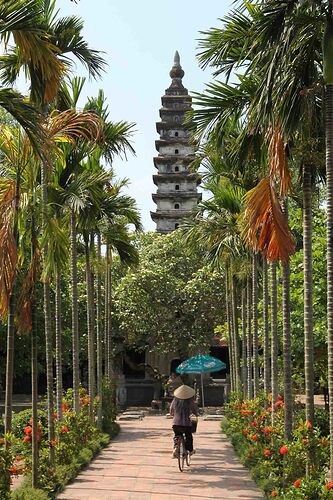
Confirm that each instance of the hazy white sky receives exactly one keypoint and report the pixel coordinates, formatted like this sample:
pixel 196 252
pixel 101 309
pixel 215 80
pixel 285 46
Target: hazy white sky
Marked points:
pixel 139 39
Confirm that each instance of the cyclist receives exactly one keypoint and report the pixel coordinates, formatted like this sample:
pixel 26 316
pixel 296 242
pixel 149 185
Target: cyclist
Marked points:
pixel 181 408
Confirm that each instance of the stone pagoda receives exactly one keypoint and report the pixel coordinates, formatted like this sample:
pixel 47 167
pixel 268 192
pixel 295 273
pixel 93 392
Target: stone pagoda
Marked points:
pixel 176 187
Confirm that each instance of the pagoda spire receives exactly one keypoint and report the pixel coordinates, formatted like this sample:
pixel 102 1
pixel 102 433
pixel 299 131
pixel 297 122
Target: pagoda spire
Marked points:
pixel 176 71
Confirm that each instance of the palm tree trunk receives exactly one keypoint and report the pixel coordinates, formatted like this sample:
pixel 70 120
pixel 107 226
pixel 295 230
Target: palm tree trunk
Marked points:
pixel 75 320
pixel 106 311
pixel 109 345
pixel 235 335
pixel 249 339
pixel 58 343
pixel 267 374
pixel 329 208
pixel 10 324
pixel 244 354
pixel 274 341
pixel 34 369
pixel 288 397
pixel 230 344
pixel 91 332
pixel 255 325
pixel 48 331
pixel 308 303
pixel 99 333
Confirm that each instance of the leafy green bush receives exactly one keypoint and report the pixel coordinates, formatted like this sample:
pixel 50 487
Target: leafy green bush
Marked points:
pixel 27 493
pixel 109 408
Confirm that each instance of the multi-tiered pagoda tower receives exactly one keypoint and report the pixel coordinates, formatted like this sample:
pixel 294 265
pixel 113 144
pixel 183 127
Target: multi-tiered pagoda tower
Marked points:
pixel 176 187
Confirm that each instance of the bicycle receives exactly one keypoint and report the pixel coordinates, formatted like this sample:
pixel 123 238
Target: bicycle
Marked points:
pixel 183 455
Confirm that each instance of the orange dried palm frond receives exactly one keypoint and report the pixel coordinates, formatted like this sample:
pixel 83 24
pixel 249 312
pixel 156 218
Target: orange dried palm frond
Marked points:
pixel 8 260
pixel 70 126
pixel 25 300
pixel 278 161
pixel 266 228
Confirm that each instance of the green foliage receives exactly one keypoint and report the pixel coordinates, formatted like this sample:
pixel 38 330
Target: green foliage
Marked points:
pixel 170 302
pixel 275 465
pixel 109 407
pixel 27 493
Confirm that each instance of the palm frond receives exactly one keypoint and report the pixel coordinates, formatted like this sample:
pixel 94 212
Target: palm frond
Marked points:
pixel 265 225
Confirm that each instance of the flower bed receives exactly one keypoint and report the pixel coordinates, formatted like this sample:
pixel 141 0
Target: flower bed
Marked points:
pixel 278 467
pixel 77 440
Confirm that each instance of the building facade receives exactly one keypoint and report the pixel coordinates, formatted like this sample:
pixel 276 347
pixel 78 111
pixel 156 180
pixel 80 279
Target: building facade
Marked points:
pixel 176 193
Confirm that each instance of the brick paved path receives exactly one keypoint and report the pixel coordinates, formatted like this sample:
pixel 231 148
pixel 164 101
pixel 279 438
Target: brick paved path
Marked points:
pixel 138 465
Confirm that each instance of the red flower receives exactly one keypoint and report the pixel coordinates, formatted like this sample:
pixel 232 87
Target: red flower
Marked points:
pixel 308 424
pixel 244 405
pixel 27 429
pixel 27 438
pixel 250 412
pixel 64 406
pixel 269 409
pixel 245 431
pixel 64 428
pixel 30 421
pixel 273 494
pixel 53 443
pixel 267 453
pixel 297 483
pixel 267 430
pixel 244 412
pixel 280 397
pixel 18 458
pixel 254 423
pixel 284 450
pixel 13 470
pixel 278 403
pixel 55 415
pixel 329 486
pixel 323 441
pixel 255 437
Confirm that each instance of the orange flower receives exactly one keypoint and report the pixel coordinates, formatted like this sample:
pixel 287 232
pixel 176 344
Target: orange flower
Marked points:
pixel 308 424
pixel 255 437
pixel 2 441
pixel 13 470
pixel 284 450
pixel 18 458
pixel 64 428
pixel 245 431
pixel 27 438
pixel 297 483
pixel 244 405
pixel 273 494
pixel 267 453
pixel 53 443
pixel 323 441
pixel 244 412
pixel 329 485
pixel 267 430
pixel 269 409
pixel 27 429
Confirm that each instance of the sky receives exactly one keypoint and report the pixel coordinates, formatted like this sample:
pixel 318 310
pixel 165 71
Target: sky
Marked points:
pixel 139 39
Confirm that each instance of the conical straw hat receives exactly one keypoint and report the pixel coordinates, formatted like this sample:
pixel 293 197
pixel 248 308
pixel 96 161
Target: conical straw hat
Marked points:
pixel 184 392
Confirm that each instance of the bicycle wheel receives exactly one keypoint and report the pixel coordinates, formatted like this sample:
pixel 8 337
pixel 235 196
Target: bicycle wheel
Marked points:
pixel 188 458
pixel 181 454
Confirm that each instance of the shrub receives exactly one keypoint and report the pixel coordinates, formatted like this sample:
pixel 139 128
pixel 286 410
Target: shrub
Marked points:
pixel 27 493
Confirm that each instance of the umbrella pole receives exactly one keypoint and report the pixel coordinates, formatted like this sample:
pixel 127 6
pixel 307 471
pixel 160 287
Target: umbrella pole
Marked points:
pixel 202 394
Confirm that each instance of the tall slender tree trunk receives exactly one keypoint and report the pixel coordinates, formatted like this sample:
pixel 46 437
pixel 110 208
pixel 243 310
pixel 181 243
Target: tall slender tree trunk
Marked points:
pixel 265 294
pixel 235 334
pixel 47 325
pixel 75 316
pixel 308 303
pixel 229 323
pixel 10 324
pixel 255 325
pixel 99 334
pixel 109 344
pixel 329 208
pixel 244 354
pixel 274 341
pixel 288 396
pixel 34 367
pixel 91 332
pixel 249 339
pixel 58 342
pixel 106 311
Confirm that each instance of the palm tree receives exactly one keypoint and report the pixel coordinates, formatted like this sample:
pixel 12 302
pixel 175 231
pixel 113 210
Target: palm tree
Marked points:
pixel 265 295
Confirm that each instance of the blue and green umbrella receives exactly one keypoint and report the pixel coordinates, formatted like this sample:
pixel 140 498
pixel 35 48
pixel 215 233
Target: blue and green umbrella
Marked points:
pixel 201 364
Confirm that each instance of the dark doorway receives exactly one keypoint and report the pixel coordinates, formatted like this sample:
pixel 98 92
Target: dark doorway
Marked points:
pixel 134 364
pixel 221 353
pixel 173 365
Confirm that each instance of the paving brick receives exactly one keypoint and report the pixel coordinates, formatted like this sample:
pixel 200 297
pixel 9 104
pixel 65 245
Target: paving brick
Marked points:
pixel 138 465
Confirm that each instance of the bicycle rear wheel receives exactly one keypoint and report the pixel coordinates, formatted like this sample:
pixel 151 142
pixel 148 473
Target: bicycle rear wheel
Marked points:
pixel 181 455
pixel 188 458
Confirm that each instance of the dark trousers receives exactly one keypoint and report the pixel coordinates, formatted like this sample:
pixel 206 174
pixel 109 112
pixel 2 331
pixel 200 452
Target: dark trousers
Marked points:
pixel 187 430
